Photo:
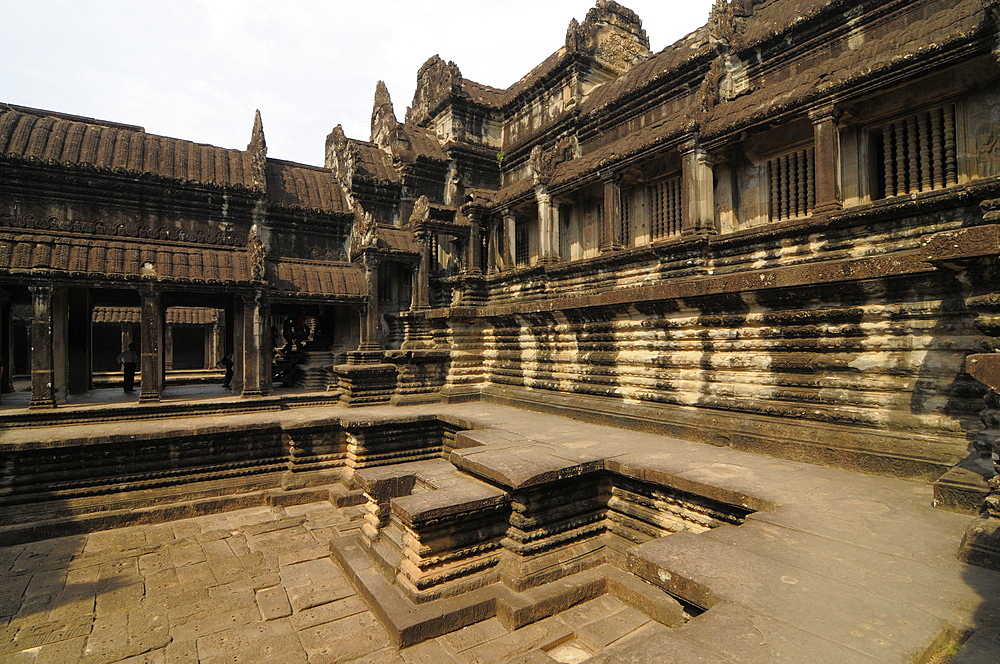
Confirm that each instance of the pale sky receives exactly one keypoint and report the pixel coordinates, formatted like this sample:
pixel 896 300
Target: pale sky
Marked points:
pixel 197 69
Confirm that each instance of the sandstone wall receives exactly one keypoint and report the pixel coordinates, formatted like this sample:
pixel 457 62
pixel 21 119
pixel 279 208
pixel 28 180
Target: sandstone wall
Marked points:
pixel 845 340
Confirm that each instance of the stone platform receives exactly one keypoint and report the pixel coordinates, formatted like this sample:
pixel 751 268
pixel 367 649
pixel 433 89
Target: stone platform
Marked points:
pixel 826 565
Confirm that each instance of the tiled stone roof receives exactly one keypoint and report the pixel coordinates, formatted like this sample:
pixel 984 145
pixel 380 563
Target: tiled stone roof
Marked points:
pixel 298 278
pixel 424 142
pixel 304 187
pixel 175 315
pixel 108 259
pixel 372 162
pixel 80 256
pixel 397 240
pixel 59 139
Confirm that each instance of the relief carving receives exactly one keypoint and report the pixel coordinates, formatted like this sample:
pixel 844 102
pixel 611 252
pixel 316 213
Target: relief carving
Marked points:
pixel 256 253
pixel 542 164
pixel 421 210
pixel 988 142
pixel 619 52
pixel 734 80
pixel 364 234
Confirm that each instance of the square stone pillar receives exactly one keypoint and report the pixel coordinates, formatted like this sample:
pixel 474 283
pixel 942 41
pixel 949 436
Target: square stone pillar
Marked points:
pixel 509 255
pixel 7 345
pixel 152 322
pixel 548 227
pixel 168 347
pixel 826 143
pixel 60 343
pixel 422 275
pixel 211 346
pixel 370 325
pixel 42 370
pixel 492 247
pixel 698 190
pixel 254 342
pixel 611 219
pixel 237 337
pixel 474 264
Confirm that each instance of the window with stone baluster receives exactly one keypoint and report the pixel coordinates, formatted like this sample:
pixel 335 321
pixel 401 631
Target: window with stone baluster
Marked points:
pixel 665 207
pixel 915 153
pixel 522 243
pixel 791 179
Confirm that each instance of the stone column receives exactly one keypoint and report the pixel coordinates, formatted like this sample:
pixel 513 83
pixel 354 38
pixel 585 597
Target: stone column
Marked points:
pixel 254 338
pixel 7 347
pixel 236 334
pixel 826 139
pixel 60 342
pixel 509 255
pixel 209 345
pixel 492 246
pixel 611 220
pixel 422 275
pixel 370 324
pixel 126 335
pixel 697 189
pixel 548 227
pixel 475 249
pixel 152 323
pixel 168 347
pixel 42 370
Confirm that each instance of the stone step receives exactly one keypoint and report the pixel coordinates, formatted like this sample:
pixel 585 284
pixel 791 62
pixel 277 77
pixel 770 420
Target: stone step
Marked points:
pixel 126 510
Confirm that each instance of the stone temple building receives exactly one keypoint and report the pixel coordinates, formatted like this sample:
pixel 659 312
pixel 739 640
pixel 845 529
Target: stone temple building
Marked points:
pixel 779 235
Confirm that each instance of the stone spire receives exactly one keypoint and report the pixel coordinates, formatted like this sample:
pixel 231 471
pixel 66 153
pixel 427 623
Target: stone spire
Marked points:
pixel 384 120
pixel 387 133
pixel 258 153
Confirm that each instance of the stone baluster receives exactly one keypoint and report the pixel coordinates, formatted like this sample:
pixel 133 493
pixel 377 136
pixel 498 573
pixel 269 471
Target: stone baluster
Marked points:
pixel 937 145
pixel 950 147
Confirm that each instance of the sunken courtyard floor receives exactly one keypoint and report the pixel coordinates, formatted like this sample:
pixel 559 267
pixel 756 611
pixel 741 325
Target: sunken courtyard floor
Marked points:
pixel 839 568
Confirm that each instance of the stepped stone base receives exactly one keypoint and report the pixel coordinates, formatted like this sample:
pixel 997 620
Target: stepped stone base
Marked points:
pixel 441 548
pixel 365 384
pixel 410 623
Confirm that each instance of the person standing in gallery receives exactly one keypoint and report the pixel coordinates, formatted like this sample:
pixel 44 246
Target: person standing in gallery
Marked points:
pixel 228 363
pixel 128 361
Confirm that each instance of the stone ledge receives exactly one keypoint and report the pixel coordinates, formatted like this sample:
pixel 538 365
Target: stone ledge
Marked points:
pixel 857 449
pixel 172 511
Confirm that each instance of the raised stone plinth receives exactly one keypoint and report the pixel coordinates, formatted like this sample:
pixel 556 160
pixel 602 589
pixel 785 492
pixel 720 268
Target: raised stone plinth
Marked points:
pixel 365 379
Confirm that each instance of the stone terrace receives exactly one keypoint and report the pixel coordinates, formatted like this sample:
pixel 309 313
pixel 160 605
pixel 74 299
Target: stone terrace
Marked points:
pixel 837 567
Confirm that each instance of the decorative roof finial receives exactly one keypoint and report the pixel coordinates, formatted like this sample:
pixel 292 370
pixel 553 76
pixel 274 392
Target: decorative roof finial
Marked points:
pixel 258 153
